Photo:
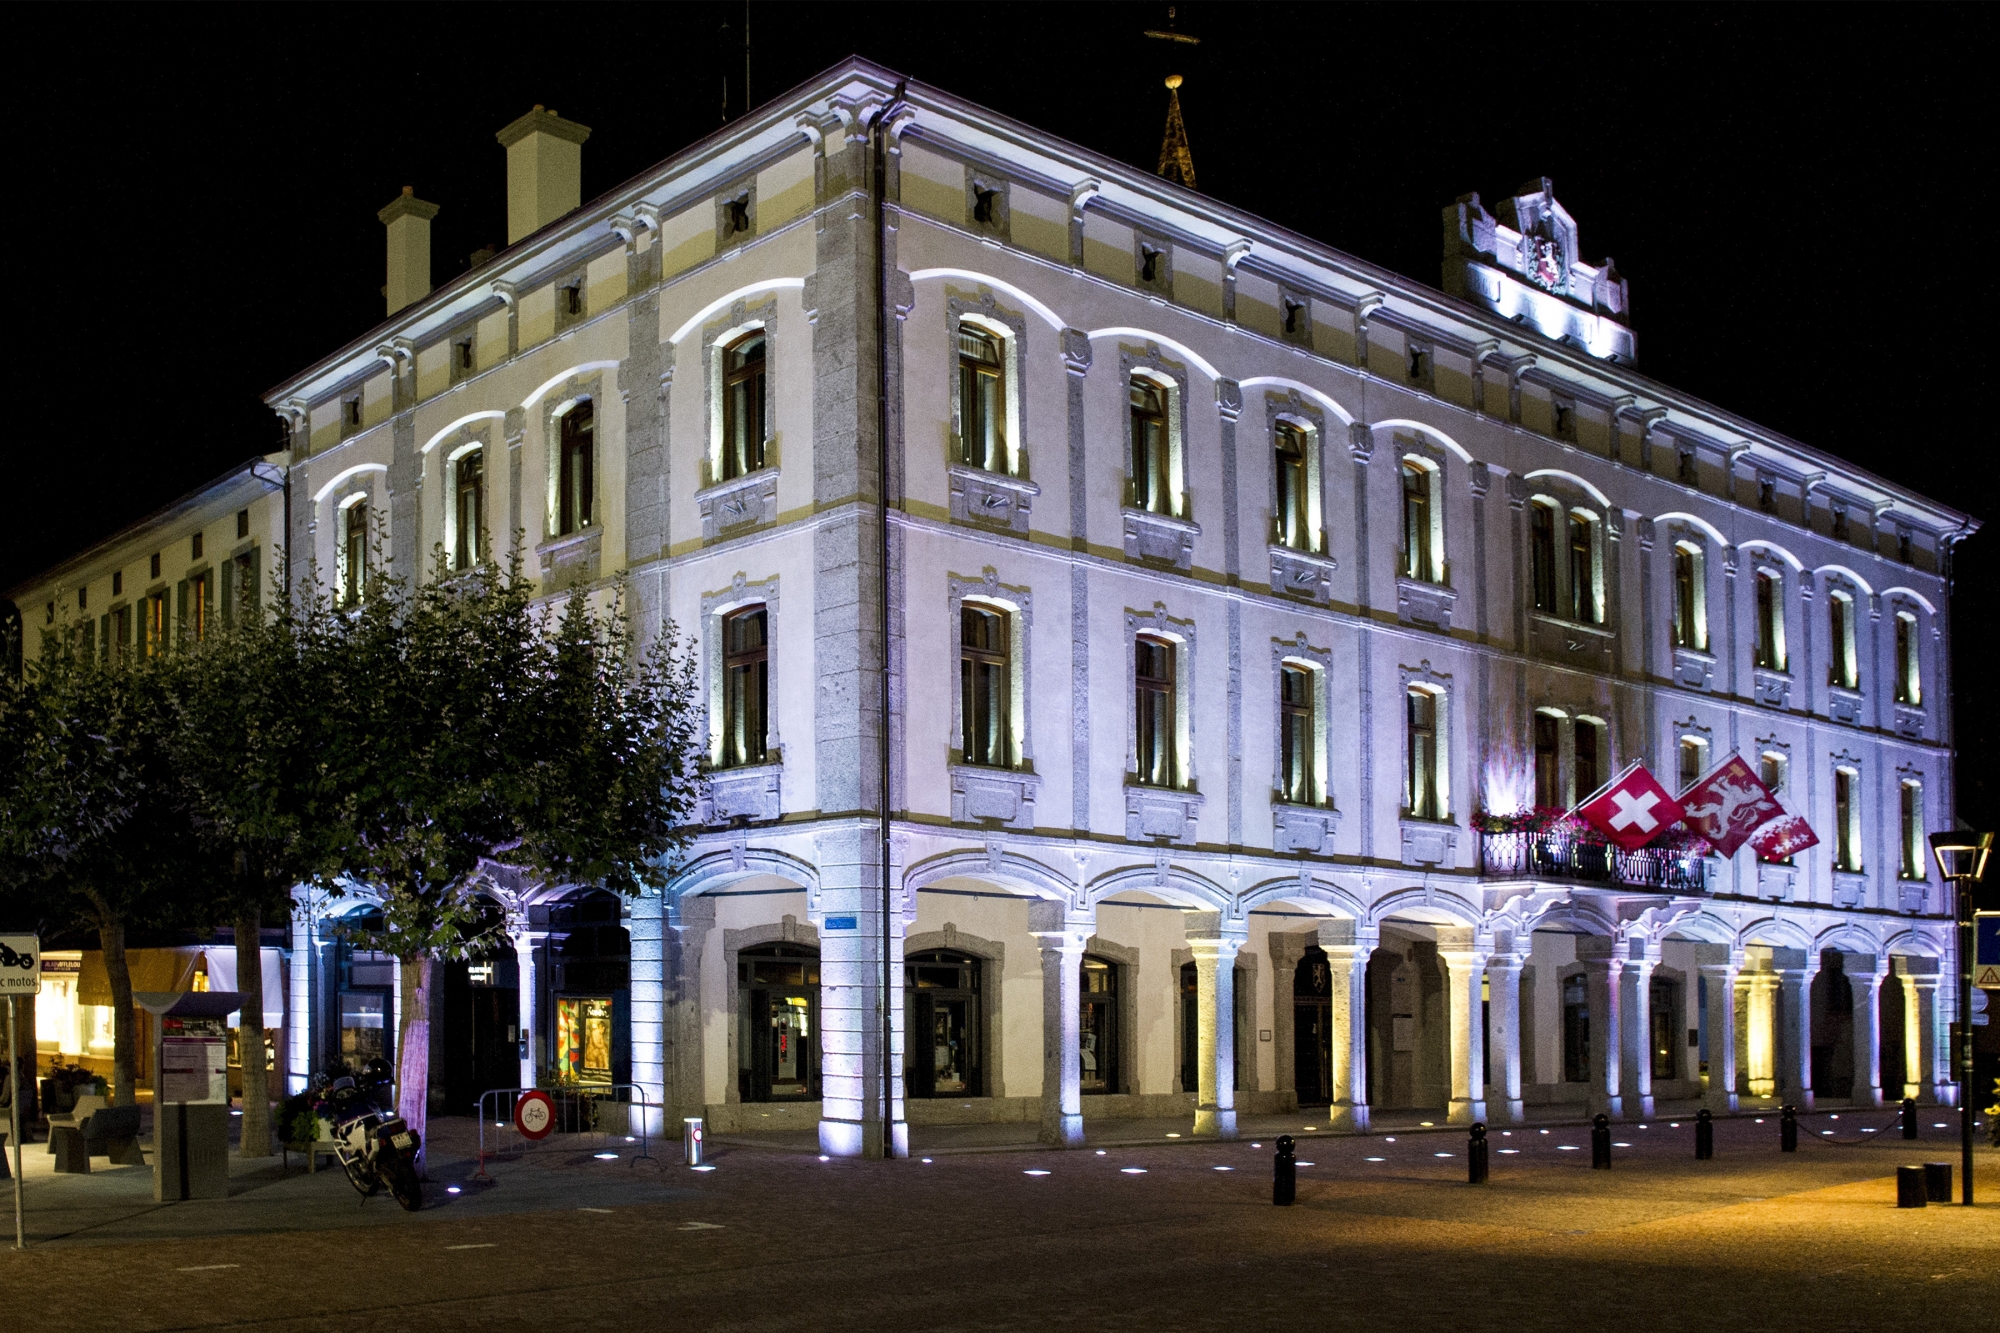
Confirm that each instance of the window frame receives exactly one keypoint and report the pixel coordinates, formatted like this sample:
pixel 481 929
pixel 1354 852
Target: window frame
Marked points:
pixel 972 661
pixel 1684 745
pixel 1847 846
pixel 576 486
pixel 1426 787
pixel 1914 846
pixel 1908 648
pixel 467 549
pixel 352 556
pixel 755 456
pixel 1544 594
pixel 1422 556
pixel 1688 586
pixel 1767 602
pixel 735 749
pixel 998 455
pixel 1295 509
pixel 1139 459
pixel 1843 666
pixel 1299 779
pixel 1156 731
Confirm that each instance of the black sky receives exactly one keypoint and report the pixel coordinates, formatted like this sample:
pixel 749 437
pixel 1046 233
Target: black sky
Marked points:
pixel 1794 192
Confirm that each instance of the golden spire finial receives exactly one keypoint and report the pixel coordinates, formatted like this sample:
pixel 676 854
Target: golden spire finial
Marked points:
pixel 1176 161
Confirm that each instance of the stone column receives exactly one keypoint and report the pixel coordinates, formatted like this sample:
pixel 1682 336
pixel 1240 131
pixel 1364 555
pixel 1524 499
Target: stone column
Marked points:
pixel 1347 950
pixel 1757 1032
pixel 525 943
pixel 649 1029
pixel 299 997
pixel 1637 984
pixel 1214 947
pixel 1605 1035
pixel 1061 935
pixel 1719 979
pixel 1795 1039
pixel 859 1117
pixel 1866 984
pixel 684 935
pixel 1465 973
pixel 1503 975
pixel 1933 1043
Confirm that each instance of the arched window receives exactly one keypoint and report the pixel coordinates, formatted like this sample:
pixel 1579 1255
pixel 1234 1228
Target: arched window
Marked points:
pixel 1909 681
pixel 1097 1026
pixel 469 508
pixel 1690 598
pixel 743 414
pixel 1294 480
pixel 777 1024
pixel 1155 715
pixel 1152 453
pixel 1843 665
pixel 576 483
pixel 746 686
pixel 982 400
pixel 1424 797
pixel 353 550
pixel 1583 598
pixel 943 1048
pixel 1770 621
pixel 1298 725
pixel 1542 554
pixel 1420 557
pixel 985 685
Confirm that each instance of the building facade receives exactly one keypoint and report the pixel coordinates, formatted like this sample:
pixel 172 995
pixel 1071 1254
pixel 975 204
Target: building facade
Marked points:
pixel 1135 638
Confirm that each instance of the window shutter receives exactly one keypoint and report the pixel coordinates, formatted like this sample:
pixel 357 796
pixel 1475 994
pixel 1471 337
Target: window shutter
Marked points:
pixel 228 602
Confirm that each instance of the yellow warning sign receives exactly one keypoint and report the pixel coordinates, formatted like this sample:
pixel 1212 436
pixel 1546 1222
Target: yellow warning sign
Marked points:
pixel 1987 978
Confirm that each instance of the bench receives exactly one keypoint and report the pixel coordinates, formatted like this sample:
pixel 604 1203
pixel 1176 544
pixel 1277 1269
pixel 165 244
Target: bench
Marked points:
pixel 85 1106
pixel 66 1144
pixel 113 1132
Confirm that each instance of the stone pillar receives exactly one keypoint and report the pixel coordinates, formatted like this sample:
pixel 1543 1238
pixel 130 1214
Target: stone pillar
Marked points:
pixel 859 1117
pixel 1503 975
pixel 1719 979
pixel 525 943
pixel 1465 973
pixel 649 1029
pixel 1214 947
pixel 1757 1032
pixel 1605 1035
pixel 1795 1039
pixel 299 997
pixel 1347 950
pixel 1637 984
pixel 1866 984
pixel 1933 1042
pixel 1061 935
pixel 684 934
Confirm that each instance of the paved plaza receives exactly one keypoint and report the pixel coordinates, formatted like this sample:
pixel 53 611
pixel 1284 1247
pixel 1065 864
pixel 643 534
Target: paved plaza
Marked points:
pixel 1155 1235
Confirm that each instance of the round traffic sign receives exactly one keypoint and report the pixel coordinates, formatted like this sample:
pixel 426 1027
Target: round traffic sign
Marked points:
pixel 534 1115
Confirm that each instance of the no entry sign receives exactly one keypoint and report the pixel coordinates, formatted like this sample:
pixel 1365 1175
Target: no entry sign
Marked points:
pixel 535 1115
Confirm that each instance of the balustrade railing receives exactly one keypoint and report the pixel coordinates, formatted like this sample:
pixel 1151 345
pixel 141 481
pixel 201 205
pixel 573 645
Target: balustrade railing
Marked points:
pixel 1558 854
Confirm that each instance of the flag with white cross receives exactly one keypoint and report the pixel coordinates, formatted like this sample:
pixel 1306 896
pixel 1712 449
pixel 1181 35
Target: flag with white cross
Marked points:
pixel 1632 809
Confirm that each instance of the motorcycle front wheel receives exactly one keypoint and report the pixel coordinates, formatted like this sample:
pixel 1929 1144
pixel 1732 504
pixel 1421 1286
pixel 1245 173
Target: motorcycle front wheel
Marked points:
pixel 361 1176
pixel 403 1183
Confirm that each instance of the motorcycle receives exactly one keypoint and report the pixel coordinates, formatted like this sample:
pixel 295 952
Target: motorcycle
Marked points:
pixel 374 1146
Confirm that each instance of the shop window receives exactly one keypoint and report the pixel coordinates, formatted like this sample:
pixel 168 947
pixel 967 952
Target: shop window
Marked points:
pixel 777 1024
pixel 1152 453
pixel 1298 725
pixel 1576 1029
pixel 469 512
pixel 985 685
pixel 982 400
pixel 1665 1014
pixel 944 1024
pixel 1843 667
pixel 1097 1026
pixel 743 405
pixel 1909 682
pixel 746 687
pixel 576 482
pixel 365 981
pixel 1154 711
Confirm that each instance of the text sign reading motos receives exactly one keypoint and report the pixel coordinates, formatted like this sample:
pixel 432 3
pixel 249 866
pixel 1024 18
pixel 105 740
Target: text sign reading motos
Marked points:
pixel 20 965
pixel 1986 949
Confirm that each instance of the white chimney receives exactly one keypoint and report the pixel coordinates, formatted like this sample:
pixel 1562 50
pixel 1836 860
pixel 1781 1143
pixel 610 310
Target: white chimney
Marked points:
pixel 544 170
pixel 408 219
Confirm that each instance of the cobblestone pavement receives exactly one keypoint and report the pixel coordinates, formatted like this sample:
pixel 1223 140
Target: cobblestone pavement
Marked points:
pixel 1176 1236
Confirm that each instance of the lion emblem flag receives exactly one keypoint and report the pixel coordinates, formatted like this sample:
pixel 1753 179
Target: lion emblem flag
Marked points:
pixel 1729 805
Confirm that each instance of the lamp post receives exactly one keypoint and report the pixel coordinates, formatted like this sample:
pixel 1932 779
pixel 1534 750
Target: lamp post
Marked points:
pixel 1961 859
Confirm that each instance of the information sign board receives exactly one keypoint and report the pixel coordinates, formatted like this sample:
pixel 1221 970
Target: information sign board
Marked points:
pixel 1986 949
pixel 20 965
pixel 194 1060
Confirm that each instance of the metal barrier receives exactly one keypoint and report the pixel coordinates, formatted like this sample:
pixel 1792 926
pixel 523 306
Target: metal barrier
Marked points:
pixel 499 1136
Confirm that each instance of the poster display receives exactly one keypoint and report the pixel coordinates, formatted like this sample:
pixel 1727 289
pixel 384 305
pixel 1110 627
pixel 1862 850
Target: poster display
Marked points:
pixel 194 1060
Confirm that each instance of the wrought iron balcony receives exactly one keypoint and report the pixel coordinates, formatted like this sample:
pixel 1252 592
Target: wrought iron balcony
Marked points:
pixel 1561 854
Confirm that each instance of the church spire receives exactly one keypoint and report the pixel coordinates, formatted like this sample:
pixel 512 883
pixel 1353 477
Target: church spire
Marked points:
pixel 1176 162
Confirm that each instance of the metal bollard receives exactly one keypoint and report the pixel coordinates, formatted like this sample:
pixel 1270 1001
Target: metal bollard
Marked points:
pixel 1788 1129
pixel 1475 1156
pixel 1937 1182
pixel 1284 1174
pixel 1704 1135
pixel 1910 1191
pixel 691 1140
pixel 1600 1143
pixel 1909 1117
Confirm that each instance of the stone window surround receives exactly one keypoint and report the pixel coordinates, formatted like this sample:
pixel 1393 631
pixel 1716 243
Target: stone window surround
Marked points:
pixel 1839 586
pixel 742 318
pixel 1857 813
pixel 1424 676
pixel 1601 528
pixel 1019 605
pixel 555 407
pixel 1010 328
pixel 1434 459
pixel 1692 730
pixel 1781 750
pixel 1899 605
pixel 1173 377
pixel 715 606
pixel 1908 775
pixel 1294 409
pixel 992 956
pixel 1685 536
pixel 1319 661
pixel 1760 562
pixel 1181 633
pixel 344 509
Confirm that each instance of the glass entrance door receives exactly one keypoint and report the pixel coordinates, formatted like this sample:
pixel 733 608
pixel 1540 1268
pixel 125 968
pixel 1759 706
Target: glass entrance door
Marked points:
pixel 942 1044
pixel 1097 1027
pixel 1312 1029
pixel 778 1025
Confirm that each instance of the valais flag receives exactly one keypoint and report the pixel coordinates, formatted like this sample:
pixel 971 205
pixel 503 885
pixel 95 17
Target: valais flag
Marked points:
pixel 1731 804
pixel 1633 810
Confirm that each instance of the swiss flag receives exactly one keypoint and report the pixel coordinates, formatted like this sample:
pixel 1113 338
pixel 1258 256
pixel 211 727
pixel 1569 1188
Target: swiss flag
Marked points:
pixel 1633 810
pixel 1730 804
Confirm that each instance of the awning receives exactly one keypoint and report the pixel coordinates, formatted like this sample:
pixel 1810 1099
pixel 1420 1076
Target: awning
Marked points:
pixel 222 976
pixel 152 970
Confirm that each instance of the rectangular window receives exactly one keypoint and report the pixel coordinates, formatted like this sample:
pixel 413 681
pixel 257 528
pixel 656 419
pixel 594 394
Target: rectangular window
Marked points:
pixel 197 606
pixel 1542 555
pixel 155 567
pixel 743 416
pixel 194 547
pixel 117 582
pixel 242 524
pixel 1582 572
pixel 577 483
pixel 745 687
pixel 1294 516
pixel 1296 722
pixel 354 552
pixel 1548 762
pixel 1694 760
pixel 121 634
pixel 1589 749
pixel 1422 797
pixel 1846 821
pixel 985 686
pixel 245 590
pixel 1663 1011
pixel 982 400
pixel 1152 458
pixel 1913 831
pixel 1419 560
pixel 1690 599
pixel 1153 703
pixel 1771 768
pixel 1843 669
pixel 156 624
pixel 469 484
pixel 1909 685
pixel 1770 622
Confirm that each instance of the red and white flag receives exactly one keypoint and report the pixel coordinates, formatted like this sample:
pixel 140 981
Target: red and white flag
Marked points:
pixel 1633 810
pixel 1731 804
pixel 1785 836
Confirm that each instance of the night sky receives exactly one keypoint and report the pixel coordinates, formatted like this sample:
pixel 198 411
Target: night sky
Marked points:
pixel 1793 192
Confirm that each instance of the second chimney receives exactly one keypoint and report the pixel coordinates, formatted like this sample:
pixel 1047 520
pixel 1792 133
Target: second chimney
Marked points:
pixel 408 219
pixel 544 170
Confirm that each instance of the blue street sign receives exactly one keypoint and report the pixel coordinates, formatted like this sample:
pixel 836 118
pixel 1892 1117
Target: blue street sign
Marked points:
pixel 843 923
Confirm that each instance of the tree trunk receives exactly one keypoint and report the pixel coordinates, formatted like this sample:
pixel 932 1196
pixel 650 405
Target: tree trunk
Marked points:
pixel 413 1061
pixel 124 1028
pixel 256 1141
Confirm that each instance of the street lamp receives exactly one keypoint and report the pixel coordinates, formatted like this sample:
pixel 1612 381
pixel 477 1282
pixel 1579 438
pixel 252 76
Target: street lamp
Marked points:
pixel 1961 858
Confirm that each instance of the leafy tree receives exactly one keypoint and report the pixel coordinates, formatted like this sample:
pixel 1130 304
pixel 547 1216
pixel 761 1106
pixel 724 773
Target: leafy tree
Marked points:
pixel 473 729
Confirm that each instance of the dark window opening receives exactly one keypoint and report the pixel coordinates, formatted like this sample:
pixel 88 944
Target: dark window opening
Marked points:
pixel 1421 799
pixel 982 204
pixel 982 400
pixel 1576 1029
pixel 469 472
pixel 944 1025
pixel 743 420
pixel 1149 264
pixel 1542 555
pixel 746 687
pixel 1295 759
pixel 739 214
pixel 1097 1027
pixel 1153 677
pixel 1152 462
pixel 1294 486
pixel 1589 745
pixel 576 486
pixel 1548 762
pixel 242 523
pixel 777 1036
pixel 1582 572
pixel 985 686
pixel 1418 559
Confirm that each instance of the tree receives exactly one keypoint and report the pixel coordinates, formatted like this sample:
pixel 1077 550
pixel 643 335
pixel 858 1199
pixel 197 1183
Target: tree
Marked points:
pixel 473 728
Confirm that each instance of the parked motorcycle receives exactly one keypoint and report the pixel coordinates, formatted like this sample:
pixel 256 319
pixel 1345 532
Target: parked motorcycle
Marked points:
pixel 374 1146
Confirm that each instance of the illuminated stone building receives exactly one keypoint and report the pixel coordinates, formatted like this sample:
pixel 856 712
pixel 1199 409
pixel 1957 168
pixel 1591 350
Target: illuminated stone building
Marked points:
pixel 1228 585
